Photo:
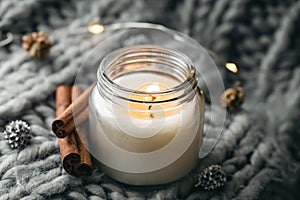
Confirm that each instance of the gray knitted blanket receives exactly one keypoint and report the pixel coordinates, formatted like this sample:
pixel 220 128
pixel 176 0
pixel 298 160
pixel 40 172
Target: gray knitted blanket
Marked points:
pixel 259 147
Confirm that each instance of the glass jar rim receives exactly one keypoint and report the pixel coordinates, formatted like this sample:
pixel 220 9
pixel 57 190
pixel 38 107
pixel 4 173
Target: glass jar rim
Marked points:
pixel 188 82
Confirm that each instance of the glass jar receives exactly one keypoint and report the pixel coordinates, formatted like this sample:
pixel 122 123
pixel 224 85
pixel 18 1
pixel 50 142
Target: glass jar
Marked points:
pixel 146 115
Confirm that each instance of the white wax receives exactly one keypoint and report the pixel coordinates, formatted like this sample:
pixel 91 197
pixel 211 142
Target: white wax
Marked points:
pixel 145 151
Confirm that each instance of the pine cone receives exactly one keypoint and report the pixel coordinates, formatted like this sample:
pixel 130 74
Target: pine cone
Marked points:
pixel 17 133
pixel 233 97
pixel 37 44
pixel 212 177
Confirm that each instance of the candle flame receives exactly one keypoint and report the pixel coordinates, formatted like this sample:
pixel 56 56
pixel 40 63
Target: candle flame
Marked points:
pixel 153 88
pixel 151 107
pixel 96 28
pixel 231 67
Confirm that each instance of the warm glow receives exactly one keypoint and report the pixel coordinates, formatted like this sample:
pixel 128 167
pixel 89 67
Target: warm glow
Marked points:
pixel 148 107
pixel 96 28
pixel 153 88
pixel 231 67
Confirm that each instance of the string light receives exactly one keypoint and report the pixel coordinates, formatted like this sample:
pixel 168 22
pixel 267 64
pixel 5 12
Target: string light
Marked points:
pixel 96 28
pixel 231 67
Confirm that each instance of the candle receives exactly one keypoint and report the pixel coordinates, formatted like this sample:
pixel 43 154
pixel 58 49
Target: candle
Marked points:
pixel 145 129
pixel 150 107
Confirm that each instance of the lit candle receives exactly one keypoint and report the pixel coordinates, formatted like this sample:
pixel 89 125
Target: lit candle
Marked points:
pixel 150 135
pixel 151 99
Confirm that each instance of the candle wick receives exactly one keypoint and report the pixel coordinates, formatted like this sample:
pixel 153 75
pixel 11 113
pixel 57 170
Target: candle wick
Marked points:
pixel 151 114
pixel 149 107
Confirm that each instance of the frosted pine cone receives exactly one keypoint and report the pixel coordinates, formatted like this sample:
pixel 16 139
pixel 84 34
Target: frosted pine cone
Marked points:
pixel 17 133
pixel 212 177
pixel 37 44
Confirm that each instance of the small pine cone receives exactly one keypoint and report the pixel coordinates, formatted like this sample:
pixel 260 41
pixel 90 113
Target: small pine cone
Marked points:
pixel 233 97
pixel 17 134
pixel 37 44
pixel 212 177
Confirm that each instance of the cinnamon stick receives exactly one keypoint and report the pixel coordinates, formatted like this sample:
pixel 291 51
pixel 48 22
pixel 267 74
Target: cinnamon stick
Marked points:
pixel 60 124
pixel 79 118
pixel 84 167
pixel 68 145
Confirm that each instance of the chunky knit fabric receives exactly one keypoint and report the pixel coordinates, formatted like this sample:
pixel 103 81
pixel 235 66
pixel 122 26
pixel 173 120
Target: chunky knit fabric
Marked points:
pixel 259 147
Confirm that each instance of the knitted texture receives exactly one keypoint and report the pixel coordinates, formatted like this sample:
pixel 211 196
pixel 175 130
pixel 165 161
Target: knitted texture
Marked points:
pixel 259 147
